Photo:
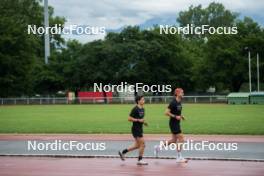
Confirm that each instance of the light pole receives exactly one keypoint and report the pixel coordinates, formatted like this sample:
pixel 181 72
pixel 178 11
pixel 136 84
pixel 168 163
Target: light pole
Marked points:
pixel 258 70
pixel 249 70
pixel 46 25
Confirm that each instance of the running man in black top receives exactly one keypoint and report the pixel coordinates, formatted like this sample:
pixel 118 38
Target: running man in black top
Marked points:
pixel 175 116
pixel 137 118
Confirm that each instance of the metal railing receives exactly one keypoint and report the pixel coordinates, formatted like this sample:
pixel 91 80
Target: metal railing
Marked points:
pixel 112 100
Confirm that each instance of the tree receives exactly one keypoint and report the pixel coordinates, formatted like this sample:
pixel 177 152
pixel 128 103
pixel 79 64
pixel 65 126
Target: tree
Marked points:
pixel 214 15
pixel 221 59
pixel 20 51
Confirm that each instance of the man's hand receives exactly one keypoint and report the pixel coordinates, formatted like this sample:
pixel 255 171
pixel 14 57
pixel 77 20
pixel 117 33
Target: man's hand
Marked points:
pixel 141 120
pixel 178 117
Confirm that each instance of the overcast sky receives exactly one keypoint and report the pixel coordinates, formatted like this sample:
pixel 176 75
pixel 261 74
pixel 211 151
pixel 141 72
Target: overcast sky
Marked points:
pixel 114 14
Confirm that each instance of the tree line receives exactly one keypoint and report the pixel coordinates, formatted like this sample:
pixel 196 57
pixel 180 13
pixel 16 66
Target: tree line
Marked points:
pixel 193 62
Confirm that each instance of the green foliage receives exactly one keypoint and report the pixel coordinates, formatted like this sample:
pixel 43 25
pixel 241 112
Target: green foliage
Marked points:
pixel 194 62
pixel 21 53
pixel 221 60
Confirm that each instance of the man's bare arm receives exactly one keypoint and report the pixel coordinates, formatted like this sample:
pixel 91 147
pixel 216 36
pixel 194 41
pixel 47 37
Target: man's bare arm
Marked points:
pixel 169 114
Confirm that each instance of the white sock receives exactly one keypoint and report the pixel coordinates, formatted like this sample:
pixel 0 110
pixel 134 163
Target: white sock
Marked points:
pixel 179 155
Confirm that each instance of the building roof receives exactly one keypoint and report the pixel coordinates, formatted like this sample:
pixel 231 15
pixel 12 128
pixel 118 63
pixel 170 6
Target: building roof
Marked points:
pixel 238 94
pixel 256 94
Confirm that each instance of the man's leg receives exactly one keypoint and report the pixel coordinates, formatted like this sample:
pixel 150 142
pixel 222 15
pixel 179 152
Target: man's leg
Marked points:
pixel 131 148
pixel 173 139
pixel 167 143
pixel 180 141
pixel 141 143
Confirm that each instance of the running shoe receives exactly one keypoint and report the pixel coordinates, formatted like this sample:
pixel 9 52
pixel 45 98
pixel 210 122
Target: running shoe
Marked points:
pixel 181 160
pixel 156 151
pixel 122 157
pixel 141 162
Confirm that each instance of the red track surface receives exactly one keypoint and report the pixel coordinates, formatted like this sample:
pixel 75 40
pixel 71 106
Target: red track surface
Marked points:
pixel 44 166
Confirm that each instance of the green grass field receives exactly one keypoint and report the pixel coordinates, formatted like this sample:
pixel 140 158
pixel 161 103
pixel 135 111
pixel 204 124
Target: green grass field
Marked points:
pixel 201 119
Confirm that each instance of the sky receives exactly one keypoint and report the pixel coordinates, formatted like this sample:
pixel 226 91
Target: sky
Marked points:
pixel 115 14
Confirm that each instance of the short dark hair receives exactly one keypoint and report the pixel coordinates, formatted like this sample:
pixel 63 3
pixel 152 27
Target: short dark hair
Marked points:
pixel 138 98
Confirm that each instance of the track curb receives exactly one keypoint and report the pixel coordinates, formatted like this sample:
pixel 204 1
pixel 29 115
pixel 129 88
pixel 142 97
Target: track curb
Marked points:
pixel 116 156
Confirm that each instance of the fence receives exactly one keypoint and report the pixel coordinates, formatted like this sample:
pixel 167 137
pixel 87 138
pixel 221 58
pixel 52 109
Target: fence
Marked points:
pixel 112 100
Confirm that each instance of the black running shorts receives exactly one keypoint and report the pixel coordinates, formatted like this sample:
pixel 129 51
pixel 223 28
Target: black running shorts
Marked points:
pixel 137 132
pixel 175 127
